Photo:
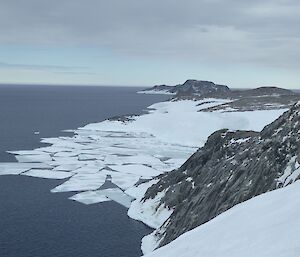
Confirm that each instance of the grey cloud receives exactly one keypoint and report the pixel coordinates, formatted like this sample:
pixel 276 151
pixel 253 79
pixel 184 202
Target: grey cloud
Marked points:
pixel 216 31
pixel 4 65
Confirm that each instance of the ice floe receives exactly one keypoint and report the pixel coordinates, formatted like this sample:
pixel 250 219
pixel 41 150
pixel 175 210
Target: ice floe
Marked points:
pixel 15 168
pixel 90 197
pixel 98 196
pixel 50 174
pixel 137 169
pixel 34 158
pixel 82 182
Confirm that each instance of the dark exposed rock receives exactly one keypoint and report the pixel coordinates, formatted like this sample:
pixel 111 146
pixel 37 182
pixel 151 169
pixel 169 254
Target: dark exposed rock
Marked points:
pixel 170 89
pixel 123 118
pixel 205 89
pixel 262 91
pixel 232 167
pixel 192 88
pixel 262 98
pixel 257 103
pixel 200 88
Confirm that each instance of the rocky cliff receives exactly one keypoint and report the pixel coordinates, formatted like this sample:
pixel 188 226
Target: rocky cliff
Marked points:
pixel 233 166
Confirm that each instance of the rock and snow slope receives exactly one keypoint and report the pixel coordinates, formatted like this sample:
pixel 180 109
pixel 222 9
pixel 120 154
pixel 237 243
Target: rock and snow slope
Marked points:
pixel 232 167
pixel 266 226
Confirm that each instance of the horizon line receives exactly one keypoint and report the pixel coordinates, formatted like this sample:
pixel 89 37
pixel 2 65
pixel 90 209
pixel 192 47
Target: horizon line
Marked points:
pixel 114 85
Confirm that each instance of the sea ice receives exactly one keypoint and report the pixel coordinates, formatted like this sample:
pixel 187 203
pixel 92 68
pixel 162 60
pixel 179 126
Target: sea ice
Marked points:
pixel 26 152
pixel 34 158
pixel 118 196
pixel 68 167
pixel 82 182
pixel 15 168
pixel 90 197
pixel 50 174
pixel 137 169
pixel 86 157
pixel 98 196
pixel 89 169
pixel 122 180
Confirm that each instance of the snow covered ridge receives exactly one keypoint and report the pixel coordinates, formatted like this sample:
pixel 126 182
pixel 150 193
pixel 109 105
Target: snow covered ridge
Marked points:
pixel 122 152
pixel 266 226
pixel 232 167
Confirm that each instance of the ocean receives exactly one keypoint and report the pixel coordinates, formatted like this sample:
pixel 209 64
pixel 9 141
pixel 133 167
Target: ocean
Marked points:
pixel 37 223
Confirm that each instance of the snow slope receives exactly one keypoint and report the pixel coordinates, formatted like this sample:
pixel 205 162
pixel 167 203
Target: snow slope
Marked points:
pixel 265 226
pixel 182 123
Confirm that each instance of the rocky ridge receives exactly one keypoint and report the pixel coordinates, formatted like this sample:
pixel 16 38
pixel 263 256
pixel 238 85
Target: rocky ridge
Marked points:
pixel 232 167
pixel 191 87
pixel 261 98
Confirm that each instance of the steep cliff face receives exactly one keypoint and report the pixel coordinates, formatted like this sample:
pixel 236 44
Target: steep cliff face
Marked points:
pixel 232 167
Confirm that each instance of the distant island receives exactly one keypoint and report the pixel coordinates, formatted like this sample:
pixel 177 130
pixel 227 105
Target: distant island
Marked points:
pixel 260 98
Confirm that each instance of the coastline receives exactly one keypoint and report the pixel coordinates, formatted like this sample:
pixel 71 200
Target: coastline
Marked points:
pixel 125 152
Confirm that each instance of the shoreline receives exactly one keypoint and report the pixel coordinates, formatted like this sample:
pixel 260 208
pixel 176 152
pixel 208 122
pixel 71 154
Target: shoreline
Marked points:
pixel 125 151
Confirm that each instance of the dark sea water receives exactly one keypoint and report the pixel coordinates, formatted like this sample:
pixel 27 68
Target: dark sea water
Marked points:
pixel 37 223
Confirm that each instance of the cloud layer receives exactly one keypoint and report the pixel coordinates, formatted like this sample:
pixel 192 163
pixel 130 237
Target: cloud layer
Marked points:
pixel 229 31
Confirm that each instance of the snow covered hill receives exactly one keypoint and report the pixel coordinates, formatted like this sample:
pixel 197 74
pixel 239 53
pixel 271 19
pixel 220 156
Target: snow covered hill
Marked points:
pixel 265 226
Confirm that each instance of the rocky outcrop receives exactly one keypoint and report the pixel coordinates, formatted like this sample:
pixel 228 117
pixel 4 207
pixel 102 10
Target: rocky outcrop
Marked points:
pixel 200 88
pixel 263 91
pixel 207 89
pixel 232 167
pixel 261 98
pixel 264 102
pixel 191 88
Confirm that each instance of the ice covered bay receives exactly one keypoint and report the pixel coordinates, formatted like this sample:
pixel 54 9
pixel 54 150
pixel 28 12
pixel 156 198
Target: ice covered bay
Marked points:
pixel 130 150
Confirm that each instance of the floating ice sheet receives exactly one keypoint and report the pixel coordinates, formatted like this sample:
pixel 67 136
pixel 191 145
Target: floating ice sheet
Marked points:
pixel 118 196
pixel 82 182
pixel 50 174
pixel 87 157
pixel 68 167
pixel 98 196
pixel 67 154
pixel 15 168
pixel 88 169
pixel 137 169
pixel 90 197
pixel 123 181
pixel 27 152
pixel 34 158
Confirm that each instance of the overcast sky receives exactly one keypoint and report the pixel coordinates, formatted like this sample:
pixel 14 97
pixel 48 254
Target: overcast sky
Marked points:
pixel 242 43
